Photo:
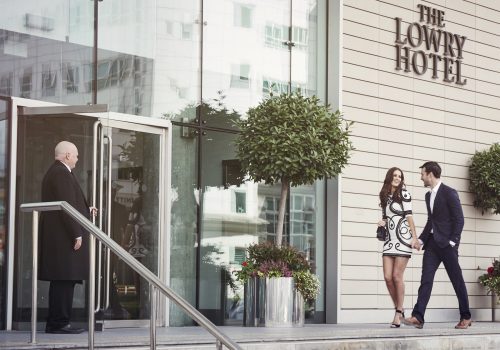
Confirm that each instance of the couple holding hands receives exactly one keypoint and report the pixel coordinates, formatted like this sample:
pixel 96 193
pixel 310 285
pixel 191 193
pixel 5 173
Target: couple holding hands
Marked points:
pixel 439 239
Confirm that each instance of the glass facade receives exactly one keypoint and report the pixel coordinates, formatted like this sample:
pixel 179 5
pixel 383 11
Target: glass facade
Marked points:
pixel 4 146
pixel 200 64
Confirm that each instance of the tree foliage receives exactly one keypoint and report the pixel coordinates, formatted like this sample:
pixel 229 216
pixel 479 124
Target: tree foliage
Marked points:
pixel 484 174
pixel 292 139
pixel 295 138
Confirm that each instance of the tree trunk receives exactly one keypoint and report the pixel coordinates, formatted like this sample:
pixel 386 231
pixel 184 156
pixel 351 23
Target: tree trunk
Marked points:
pixel 281 214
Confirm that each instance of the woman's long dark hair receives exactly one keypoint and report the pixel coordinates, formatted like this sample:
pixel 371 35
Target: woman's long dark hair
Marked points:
pixel 385 191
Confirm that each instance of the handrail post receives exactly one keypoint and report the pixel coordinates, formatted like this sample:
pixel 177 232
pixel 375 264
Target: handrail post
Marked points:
pixel 152 316
pixel 34 281
pixel 91 283
pixel 218 344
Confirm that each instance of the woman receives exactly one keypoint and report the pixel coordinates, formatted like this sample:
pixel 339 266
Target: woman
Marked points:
pixel 395 201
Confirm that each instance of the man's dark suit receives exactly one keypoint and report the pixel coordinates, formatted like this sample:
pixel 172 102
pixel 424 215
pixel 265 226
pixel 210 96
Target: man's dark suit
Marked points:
pixel 444 224
pixel 59 262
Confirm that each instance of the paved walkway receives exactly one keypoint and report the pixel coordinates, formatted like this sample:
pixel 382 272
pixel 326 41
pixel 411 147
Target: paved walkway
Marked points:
pixel 482 335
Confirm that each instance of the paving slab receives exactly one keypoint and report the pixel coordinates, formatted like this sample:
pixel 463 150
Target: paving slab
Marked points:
pixel 482 335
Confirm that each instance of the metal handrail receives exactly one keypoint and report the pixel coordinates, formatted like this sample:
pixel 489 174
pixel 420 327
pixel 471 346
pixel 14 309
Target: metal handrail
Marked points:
pixel 154 281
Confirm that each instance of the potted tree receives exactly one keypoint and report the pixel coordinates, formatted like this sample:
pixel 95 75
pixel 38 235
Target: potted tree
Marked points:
pixel 294 140
pixel 485 185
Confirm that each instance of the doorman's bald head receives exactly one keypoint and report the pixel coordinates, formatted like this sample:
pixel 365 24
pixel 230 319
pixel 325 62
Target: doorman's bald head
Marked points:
pixel 62 148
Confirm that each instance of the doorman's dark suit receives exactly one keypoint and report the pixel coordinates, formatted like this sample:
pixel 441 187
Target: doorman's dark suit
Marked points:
pixel 59 262
pixel 444 224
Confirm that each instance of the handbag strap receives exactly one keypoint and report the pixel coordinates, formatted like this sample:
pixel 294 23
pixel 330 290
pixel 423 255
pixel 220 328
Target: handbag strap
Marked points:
pixel 384 215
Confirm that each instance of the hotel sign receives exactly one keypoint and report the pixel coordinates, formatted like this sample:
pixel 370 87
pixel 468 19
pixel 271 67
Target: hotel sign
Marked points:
pixel 414 42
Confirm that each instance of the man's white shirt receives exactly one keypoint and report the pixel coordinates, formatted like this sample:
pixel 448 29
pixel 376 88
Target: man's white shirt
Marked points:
pixel 433 192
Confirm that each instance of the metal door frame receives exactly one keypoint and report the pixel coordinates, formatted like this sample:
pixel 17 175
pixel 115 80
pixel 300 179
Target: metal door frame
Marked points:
pixel 22 106
pixel 116 120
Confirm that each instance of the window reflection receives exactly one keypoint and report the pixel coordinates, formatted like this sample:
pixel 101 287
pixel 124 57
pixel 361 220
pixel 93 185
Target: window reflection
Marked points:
pixel 239 54
pixel 3 204
pixel 243 61
pixel 183 226
pixel 237 213
pixel 156 71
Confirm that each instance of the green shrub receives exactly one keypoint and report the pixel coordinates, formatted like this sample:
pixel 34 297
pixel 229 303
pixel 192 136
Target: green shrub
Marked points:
pixel 484 174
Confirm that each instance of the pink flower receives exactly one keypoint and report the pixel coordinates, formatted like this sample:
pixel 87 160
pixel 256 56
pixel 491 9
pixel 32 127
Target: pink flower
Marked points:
pixel 244 264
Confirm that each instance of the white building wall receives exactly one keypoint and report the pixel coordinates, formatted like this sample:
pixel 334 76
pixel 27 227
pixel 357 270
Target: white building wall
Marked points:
pixel 404 119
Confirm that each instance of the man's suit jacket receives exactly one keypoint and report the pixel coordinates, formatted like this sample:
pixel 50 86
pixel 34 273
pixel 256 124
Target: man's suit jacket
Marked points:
pixel 58 231
pixel 446 219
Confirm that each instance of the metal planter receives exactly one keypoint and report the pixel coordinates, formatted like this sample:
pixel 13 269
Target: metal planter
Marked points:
pixel 495 307
pixel 273 302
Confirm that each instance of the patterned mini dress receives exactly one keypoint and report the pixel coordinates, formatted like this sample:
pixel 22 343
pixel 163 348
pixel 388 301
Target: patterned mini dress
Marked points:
pixel 398 241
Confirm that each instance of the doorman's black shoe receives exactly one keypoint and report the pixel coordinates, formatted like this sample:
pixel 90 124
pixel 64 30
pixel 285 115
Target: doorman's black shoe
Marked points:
pixel 68 329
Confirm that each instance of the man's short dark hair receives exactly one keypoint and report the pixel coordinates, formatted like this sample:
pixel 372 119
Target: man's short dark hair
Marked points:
pixel 432 167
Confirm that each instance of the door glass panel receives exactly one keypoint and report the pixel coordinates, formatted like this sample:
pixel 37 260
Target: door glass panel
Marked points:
pixel 37 137
pixel 243 55
pixel 134 208
pixel 308 73
pixel 307 234
pixel 177 62
pixel 308 70
pixel 47 50
pixel 3 203
pixel 125 68
pixel 184 218
pixel 235 214
pixel 133 182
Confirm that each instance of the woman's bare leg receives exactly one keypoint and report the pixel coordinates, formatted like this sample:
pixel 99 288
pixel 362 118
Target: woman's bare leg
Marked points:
pixel 388 266
pixel 398 270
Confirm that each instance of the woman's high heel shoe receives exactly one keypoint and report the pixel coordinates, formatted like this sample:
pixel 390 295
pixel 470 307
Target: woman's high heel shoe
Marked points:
pixel 401 317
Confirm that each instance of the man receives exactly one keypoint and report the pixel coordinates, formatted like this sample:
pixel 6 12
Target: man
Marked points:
pixel 64 256
pixel 440 240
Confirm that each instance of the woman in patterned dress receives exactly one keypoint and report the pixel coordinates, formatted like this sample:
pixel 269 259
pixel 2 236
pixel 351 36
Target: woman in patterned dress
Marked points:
pixel 395 201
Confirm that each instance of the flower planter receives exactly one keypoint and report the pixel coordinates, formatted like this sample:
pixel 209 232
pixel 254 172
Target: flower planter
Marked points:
pixel 495 307
pixel 273 302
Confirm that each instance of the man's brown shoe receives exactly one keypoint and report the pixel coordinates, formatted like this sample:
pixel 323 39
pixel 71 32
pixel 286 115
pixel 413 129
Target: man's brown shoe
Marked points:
pixel 464 324
pixel 413 321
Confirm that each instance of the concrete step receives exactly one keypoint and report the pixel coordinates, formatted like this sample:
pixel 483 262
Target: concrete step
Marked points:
pixel 434 336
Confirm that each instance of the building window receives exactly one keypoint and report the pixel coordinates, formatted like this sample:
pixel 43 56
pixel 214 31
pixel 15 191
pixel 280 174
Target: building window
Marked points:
pixel 113 73
pixel 6 84
pixel 240 202
pixel 300 38
pixel 243 15
pixel 276 35
pixel 239 256
pixel 302 227
pixel 231 173
pixel 187 31
pixel 240 75
pixel 270 214
pixel 71 78
pixel 169 28
pixel 25 83
pixel 45 24
pixel 275 86
pixel 49 80
pixel 87 74
pixel 102 74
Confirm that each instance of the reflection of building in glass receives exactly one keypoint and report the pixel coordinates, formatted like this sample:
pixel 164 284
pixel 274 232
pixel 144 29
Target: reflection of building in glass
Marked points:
pixel 199 64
